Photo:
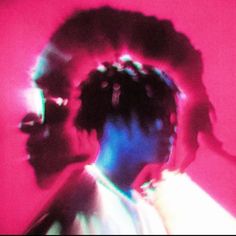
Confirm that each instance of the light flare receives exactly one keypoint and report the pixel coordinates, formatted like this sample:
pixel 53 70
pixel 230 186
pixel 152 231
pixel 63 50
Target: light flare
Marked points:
pixel 35 101
pixel 188 209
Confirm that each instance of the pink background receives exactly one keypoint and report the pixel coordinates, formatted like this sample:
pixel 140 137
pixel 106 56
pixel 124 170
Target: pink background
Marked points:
pixel 25 27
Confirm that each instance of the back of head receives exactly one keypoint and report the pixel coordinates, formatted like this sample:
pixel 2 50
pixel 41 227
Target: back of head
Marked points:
pixel 125 89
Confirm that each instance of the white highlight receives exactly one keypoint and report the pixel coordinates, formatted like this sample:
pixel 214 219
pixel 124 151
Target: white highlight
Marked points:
pixel 138 65
pixel 182 96
pixel 125 57
pixel 187 209
pixel 60 101
pixel 101 68
pixel 34 100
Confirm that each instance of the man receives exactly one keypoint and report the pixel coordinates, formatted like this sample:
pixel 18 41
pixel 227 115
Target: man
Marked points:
pixel 133 114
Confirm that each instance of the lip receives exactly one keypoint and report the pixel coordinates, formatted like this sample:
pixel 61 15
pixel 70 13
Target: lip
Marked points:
pixel 30 123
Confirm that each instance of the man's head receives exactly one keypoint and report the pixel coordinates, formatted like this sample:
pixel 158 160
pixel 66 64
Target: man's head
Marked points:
pixel 126 90
pixel 92 33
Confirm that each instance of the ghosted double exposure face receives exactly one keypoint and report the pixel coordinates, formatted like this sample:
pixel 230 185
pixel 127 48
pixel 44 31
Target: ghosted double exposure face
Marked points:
pixel 123 90
pixel 53 142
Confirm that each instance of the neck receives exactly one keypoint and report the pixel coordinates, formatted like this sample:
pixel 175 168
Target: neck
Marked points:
pixel 117 167
pixel 124 151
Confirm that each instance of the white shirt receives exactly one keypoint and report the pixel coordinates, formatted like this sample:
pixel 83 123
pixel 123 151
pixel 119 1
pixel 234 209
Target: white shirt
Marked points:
pixel 115 213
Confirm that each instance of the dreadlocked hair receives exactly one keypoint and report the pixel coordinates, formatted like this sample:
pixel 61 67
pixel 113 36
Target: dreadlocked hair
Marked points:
pixel 123 89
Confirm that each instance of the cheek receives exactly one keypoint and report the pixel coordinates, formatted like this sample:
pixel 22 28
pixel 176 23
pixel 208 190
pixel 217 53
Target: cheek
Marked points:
pixel 81 142
pixel 145 148
pixel 71 136
pixel 69 130
pixel 164 147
